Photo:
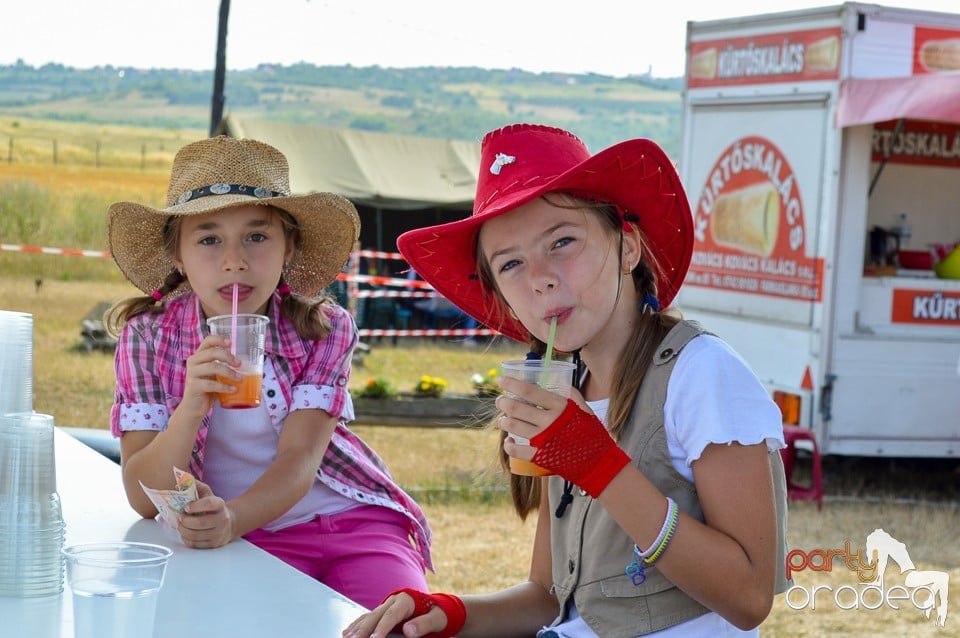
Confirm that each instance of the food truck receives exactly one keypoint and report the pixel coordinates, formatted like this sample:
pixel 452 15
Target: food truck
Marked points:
pixel 821 154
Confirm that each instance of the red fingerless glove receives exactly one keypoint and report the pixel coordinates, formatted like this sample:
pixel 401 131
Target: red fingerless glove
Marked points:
pixel 577 447
pixel 451 605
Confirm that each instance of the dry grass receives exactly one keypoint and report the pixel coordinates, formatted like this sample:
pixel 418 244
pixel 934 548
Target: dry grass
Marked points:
pixel 131 147
pixel 112 184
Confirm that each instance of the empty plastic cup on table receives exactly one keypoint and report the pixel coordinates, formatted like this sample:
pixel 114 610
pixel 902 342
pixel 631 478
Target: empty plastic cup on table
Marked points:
pixel 557 376
pixel 31 521
pixel 115 587
pixel 248 344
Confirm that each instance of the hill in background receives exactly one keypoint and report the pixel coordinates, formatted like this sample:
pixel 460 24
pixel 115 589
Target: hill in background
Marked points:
pixel 445 102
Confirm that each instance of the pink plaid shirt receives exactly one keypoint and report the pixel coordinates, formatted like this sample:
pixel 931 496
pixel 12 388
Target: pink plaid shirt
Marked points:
pixel 151 374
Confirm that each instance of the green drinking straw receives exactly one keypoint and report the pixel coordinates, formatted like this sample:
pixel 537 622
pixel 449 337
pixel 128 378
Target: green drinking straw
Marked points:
pixel 549 355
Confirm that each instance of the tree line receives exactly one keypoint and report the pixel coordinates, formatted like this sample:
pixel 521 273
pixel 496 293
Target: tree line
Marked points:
pixel 451 102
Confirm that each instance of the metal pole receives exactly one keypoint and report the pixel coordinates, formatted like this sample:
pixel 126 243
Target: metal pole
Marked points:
pixel 220 71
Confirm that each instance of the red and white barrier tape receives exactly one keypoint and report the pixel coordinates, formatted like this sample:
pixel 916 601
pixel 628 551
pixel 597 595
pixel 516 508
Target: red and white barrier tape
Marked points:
pixel 46 250
pixel 378 294
pixel 376 280
pixel 366 279
pixel 439 332
pixel 99 253
pixel 425 289
pixel 376 254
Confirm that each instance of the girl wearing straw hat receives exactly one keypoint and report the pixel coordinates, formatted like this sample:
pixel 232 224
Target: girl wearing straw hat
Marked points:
pixel 287 475
pixel 665 511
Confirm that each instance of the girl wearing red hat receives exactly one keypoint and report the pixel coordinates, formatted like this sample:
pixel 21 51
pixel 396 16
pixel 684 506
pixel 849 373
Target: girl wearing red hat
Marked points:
pixel 666 510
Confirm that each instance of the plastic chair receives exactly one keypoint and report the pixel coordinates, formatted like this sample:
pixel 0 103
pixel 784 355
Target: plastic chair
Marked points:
pixel 796 491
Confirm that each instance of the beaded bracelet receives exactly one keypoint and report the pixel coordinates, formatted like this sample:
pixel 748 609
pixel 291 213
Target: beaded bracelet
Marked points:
pixel 643 559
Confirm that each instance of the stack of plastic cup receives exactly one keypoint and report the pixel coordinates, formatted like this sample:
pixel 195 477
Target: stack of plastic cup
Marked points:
pixel 16 362
pixel 31 522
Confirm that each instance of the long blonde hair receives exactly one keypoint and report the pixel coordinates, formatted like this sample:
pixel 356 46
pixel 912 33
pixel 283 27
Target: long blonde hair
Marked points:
pixel 306 313
pixel 636 355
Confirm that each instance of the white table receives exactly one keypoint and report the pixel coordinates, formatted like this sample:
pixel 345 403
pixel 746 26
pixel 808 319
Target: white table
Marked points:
pixel 237 590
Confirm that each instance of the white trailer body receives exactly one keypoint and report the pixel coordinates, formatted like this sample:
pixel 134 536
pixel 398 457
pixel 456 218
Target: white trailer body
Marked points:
pixel 802 132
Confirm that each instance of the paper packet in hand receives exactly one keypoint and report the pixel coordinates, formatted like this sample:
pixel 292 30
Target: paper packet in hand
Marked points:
pixel 170 503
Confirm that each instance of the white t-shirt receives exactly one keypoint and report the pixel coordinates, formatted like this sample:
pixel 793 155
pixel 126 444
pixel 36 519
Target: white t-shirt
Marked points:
pixel 241 445
pixel 712 398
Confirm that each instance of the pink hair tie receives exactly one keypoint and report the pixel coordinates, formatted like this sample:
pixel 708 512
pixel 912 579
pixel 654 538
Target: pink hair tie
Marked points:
pixel 157 295
pixel 284 289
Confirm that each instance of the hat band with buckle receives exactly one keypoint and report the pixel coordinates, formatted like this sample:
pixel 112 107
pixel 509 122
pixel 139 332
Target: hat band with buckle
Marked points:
pixel 228 189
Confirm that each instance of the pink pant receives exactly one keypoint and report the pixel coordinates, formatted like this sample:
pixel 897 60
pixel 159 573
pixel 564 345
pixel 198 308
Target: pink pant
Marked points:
pixel 364 553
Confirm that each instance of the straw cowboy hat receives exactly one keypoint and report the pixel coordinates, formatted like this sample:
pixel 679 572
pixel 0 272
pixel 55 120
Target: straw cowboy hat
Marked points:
pixel 521 162
pixel 220 172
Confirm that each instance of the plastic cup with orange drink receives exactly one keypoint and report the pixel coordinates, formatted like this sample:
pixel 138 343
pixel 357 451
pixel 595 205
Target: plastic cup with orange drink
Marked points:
pixel 248 333
pixel 555 376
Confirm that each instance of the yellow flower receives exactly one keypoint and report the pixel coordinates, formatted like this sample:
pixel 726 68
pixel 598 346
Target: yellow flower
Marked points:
pixel 430 386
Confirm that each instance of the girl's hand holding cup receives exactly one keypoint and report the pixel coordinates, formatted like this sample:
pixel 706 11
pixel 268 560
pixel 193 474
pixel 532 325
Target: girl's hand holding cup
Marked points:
pixel 557 435
pixel 535 393
pixel 202 388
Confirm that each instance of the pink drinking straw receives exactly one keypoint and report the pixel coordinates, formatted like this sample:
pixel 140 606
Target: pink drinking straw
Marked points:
pixel 233 321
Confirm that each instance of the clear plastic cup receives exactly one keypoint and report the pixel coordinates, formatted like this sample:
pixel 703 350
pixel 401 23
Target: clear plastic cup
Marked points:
pixel 249 333
pixel 557 376
pixel 115 587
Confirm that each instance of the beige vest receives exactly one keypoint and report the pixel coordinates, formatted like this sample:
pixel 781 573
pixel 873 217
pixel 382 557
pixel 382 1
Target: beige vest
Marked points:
pixel 590 550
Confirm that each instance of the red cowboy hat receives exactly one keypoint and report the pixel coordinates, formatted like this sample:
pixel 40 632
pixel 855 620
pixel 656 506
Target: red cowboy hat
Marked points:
pixel 521 162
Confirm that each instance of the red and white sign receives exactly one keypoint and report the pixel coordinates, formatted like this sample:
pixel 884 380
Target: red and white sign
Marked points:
pixel 926 307
pixel 749 228
pixel 935 50
pixel 920 142
pixel 789 56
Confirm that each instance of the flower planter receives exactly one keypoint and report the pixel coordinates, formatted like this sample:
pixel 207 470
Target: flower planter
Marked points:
pixel 450 410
